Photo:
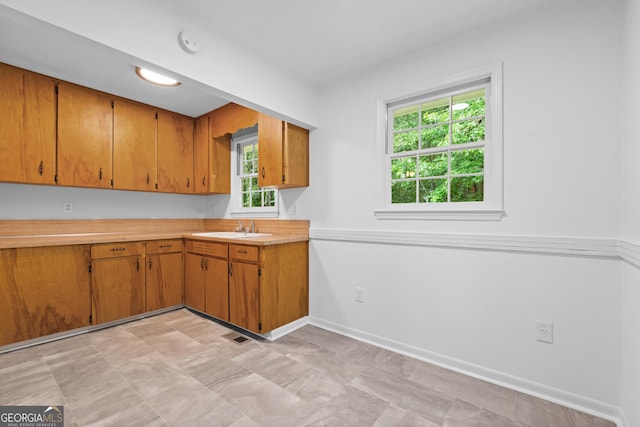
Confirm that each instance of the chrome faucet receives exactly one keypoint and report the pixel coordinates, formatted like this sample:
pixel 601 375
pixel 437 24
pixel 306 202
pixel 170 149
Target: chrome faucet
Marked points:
pixel 253 227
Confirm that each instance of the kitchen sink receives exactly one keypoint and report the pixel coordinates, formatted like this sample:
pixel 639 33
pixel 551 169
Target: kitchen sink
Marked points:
pixel 231 234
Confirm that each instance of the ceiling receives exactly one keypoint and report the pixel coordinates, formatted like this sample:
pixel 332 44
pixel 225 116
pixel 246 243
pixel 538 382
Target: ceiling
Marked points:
pixel 316 41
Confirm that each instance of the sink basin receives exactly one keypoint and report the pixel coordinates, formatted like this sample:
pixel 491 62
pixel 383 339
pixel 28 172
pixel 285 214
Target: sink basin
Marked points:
pixel 231 234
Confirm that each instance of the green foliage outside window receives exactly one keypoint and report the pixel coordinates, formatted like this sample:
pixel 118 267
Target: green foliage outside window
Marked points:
pixel 438 167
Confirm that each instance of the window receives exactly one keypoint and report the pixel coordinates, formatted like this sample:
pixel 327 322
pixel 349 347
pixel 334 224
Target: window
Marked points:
pixel 250 199
pixel 443 151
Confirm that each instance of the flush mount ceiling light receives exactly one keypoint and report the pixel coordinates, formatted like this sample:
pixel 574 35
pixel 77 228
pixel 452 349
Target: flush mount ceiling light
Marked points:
pixel 155 78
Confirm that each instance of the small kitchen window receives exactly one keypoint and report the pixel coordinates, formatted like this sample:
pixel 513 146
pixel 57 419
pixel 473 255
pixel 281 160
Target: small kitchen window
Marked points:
pixel 250 199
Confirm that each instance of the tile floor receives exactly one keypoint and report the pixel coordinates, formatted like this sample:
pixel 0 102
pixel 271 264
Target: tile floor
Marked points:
pixel 179 369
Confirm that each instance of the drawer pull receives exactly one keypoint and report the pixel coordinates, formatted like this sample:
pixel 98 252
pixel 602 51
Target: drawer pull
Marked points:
pixel 118 249
pixel 242 251
pixel 166 246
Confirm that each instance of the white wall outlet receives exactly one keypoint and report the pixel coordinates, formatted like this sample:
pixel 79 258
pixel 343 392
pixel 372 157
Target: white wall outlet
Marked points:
pixel 359 294
pixel 68 207
pixel 544 331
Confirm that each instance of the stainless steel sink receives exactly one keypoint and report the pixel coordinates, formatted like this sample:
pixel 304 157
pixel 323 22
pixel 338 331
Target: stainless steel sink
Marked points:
pixel 231 234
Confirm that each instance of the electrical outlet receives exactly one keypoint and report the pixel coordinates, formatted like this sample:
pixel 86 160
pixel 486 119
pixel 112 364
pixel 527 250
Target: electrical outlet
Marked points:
pixel 544 331
pixel 68 207
pixel 359 294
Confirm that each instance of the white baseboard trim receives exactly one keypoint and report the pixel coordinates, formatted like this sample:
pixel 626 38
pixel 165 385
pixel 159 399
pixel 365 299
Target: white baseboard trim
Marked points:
pixel 286 329
pixel 571 400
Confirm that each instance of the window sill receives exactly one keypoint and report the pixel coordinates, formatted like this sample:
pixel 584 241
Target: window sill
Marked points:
pixel 442 215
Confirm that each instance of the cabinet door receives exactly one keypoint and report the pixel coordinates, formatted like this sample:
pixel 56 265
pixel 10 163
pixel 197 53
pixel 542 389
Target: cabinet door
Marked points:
pixel 244 292
pixel 164 281
pixel 134 146
pixel 175 153
pixel 118 288
pixel 27 127
pixel 295 160
pixel 201 155
pixel 270 159
pixel 85 125
pixel 194 281
pixel 43 291
pixel 217 288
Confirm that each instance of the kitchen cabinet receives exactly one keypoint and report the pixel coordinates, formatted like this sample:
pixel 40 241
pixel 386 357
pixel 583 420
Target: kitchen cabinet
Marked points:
pixel 207 278
pixel 27 127
pixel 134 146
pixel 117 280
pixel 164 278
pixel 283 150
pixel 85 135
pixel 265 287
pixel 244 287
pixel 212 159
pixel 43 291
pixel 175 153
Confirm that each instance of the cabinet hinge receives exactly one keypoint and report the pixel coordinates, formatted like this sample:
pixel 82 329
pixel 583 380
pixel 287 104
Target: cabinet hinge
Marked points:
pixel 56 89
pixel 259 272
pixel 260 326
pixel 55 178
pixel 91 319
pixel 113 104
pixel 156 116
pixel 283 178
pixel 90 269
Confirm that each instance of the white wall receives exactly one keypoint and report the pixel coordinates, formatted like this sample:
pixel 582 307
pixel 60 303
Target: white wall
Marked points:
pixel 476 309
pixel 630 295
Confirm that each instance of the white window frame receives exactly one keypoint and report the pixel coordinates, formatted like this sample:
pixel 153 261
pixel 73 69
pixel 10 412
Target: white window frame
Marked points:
pixel 238 211
pixel 491 208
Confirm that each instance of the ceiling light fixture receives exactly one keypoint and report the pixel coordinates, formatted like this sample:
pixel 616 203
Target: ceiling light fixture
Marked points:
pixel 155 78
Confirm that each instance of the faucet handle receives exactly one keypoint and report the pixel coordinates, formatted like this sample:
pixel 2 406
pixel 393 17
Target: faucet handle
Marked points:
pixel 240 227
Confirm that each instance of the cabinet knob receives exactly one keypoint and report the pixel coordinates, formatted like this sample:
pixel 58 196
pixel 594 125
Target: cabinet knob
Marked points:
pixel 149 264
pixel 188 182
pixel 41 168
pixel 204 181
pixel 262 172
pixel 100 174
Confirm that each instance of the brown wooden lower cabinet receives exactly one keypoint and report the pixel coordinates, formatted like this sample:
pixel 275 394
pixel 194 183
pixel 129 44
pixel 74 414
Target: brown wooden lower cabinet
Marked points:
pixel 266 286
pixel 43 291
pixel 117 281
pixel 164 274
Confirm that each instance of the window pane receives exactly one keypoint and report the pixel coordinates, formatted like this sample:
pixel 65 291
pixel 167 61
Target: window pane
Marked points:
pixel 467 189
pixel 403 192
pixel 467 161
pixel 405 141
pixel 404 167
pixel 470 104
pixel 405 118
pixel 437 136
pixel 246 184
pixel 433 190
pixel 269 198
pixel 468 131
pixel 434 165
pixel 254 184
pixel 246 200
pixel 256 199
pixel 435 111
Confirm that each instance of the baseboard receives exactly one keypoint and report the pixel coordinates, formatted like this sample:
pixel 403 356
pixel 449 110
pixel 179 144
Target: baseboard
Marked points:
pixel 561 397
pixel 286 329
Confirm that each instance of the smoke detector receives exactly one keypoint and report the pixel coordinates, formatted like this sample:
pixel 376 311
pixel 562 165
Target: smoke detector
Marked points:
pixel 188 42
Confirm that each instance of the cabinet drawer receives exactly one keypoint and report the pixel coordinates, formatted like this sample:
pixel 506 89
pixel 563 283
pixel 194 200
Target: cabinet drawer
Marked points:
pixel 164 246
pixel 220 250
pixel 114 250
pixel 244 253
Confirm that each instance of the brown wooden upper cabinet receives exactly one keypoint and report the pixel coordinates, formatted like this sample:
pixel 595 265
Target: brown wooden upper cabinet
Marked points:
pixel 134 146
pixel 27 127
pixel 85 126
pixel 283 150
pixel 212 157
pixel 175 152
